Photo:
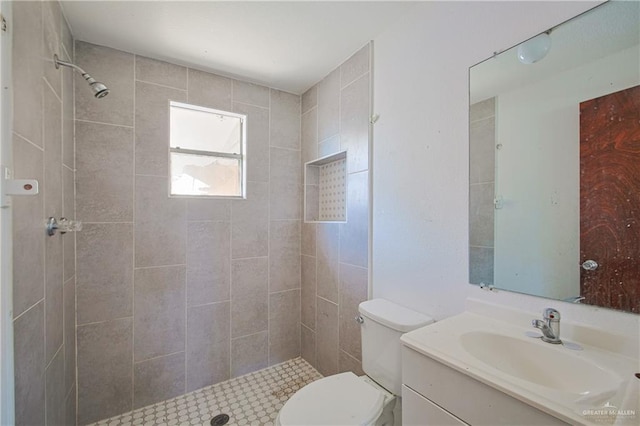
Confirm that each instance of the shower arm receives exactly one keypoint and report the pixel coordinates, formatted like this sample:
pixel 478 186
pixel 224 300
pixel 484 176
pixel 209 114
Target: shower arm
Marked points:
pixel 59 62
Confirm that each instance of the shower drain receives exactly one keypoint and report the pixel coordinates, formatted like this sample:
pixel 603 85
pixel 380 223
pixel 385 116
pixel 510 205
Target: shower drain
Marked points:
pixel 220 419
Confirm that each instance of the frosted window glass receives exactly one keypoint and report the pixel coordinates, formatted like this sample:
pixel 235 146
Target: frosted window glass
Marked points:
pixel 204 130
pixel 205 175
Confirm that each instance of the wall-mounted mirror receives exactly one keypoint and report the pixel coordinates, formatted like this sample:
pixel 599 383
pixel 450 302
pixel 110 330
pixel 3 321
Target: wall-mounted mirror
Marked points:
pixel 555 162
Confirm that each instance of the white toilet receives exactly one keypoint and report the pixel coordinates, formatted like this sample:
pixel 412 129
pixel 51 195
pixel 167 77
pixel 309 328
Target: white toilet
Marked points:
pixel 346 399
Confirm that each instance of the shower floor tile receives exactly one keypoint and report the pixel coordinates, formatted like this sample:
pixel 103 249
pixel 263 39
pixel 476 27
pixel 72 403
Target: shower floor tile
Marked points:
pixel 253 399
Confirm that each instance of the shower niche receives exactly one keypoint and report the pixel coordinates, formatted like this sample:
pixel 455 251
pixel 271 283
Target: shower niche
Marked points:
pixel 325 189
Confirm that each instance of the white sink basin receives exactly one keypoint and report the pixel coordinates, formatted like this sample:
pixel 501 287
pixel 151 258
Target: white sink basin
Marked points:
pixel 551 366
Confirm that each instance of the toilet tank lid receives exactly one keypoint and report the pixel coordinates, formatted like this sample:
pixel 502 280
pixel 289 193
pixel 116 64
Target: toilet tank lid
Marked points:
pixel 392 315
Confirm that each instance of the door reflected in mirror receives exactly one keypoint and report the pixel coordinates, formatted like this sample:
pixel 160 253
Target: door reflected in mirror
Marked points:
pixel 555 163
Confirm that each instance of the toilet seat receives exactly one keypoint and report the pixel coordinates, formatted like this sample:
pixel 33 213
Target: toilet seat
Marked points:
pixel 341 399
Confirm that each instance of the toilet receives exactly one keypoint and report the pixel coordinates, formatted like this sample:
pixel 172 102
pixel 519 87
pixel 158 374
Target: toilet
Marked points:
pixel 346 399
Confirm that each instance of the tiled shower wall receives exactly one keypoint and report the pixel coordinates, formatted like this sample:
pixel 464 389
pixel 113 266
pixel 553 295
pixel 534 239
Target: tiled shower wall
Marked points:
pixel 335 117
pixel 482 142
pixel 174 293
pixel 43 266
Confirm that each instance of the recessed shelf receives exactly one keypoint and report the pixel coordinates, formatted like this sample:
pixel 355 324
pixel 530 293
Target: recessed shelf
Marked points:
pixel 325 189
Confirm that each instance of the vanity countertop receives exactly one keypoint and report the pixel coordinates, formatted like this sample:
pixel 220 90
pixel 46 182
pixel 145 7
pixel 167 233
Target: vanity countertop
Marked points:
pixel 579 398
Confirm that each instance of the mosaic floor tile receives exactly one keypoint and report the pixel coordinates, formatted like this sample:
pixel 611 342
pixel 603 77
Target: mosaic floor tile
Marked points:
pixel 253 399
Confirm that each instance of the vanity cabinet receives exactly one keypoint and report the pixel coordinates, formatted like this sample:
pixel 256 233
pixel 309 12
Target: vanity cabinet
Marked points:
pixel 433 393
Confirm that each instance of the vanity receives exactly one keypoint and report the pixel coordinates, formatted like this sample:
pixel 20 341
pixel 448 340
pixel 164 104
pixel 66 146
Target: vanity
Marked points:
pixel 485 367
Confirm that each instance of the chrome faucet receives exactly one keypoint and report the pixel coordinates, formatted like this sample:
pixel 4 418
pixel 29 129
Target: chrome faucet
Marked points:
pixel 549 325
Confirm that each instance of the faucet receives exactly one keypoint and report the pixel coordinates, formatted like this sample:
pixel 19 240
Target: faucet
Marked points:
pixel 549 325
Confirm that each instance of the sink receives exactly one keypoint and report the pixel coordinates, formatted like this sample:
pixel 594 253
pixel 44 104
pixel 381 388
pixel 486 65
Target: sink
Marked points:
pixel 552 366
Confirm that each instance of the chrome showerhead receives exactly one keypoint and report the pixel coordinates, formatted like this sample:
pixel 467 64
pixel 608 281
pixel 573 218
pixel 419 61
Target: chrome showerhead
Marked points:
pixel 100 90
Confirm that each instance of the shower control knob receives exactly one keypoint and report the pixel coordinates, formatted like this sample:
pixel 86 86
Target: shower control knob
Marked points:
pixel 359 319
pixel 590 265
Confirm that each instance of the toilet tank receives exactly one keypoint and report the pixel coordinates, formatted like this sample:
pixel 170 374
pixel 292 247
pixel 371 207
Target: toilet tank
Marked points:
pixel 384 323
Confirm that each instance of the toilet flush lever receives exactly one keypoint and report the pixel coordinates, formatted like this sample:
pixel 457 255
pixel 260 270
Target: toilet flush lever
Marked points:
pixel 359 319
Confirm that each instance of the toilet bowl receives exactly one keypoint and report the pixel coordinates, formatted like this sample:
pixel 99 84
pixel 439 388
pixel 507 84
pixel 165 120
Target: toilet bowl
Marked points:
pixel 346 399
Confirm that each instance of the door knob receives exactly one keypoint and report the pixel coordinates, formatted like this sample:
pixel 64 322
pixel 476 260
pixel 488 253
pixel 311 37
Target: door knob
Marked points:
pixel 590 265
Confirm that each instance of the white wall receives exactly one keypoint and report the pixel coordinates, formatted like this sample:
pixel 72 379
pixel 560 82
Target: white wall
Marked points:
pixel 537 245
pixel 420 152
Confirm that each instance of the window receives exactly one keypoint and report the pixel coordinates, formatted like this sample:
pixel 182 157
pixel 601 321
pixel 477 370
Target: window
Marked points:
pixel 206 152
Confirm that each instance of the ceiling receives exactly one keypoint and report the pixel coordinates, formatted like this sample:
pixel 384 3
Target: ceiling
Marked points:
pixel 285 45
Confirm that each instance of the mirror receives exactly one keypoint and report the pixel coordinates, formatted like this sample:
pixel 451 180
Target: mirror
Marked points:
pixel 555 162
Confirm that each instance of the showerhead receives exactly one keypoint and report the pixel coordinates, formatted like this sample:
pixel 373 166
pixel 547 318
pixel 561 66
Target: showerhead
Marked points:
pixel 100 90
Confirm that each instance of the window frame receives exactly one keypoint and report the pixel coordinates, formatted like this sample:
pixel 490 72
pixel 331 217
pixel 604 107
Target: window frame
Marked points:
pixel 242 156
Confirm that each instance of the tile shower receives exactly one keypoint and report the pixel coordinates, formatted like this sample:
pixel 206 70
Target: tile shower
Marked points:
pixel 168 295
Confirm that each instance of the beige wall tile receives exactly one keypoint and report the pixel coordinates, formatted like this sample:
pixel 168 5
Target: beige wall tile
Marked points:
pixel 329 146
pixel 249 93
pixel 308 296
pixel 208 345
pixel 284 326
pixel 348 363
pixel 257 141
pixel 68 211
pixel 354 124
pixel 53 296
pixel 249 315
pixel 28 240
pixel 249 277
pixel 71 407
pixel 250 222
pixel 328 251
pixel 482 214
pixel 27 70
pixel 209 90
pixel 354 235
pixel 353 290
pixel 482 145
pixel 208 262
pixel 52 134
pixel 327 337
pixel 104 369
pixel 158 379
pixel 51 45
pixel 249 353
pixel 285 120
pixel 29 363
pixel 69 314
pixel 208 209
pixel 68 119
pixel 105 272
pixel 159 311
pixel 104 178
pixel 309 99
pixel 308 239
pixel 152 127
pixel 355 66
pixel 308 346
pixel 309 136
pixel 286 184
pixel 54 397
pixel 160 238
pixel 482 110
pixel 481 265
pixel 329 106
pixel 160 72
pixel 115 69
pixel 284 255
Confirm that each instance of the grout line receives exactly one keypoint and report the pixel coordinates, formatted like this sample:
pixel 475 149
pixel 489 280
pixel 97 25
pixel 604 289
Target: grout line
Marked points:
pixel 160 266
pixel 104 321
pixel 361 76
pixel 28 309
pixel 107 124
pixel 52 89
pixel 133 243
pixel 137 80
pixel 158 357
pixel 28 141
pixel 186 283
pixel 75 237
pixel 249 104
pixel 269 238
